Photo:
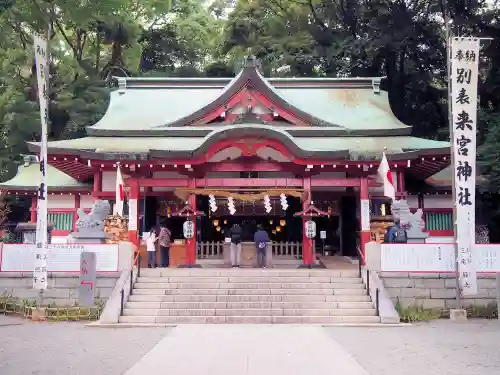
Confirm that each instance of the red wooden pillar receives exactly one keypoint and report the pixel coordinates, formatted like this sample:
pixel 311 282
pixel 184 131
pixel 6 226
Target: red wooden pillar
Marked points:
pixel 191 243
pixel 365 235
pixel 133 212
pixel 34 202
pixel 307 248
pixel 401 183
pixel 77 206
pixel 97 185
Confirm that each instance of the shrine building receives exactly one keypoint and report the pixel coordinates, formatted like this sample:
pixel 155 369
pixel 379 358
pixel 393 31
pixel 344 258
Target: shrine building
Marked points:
pixel 318 141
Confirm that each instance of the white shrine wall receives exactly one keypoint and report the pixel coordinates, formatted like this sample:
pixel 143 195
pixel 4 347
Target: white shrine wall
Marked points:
pixel 60 201
pixel 412 201
pixel 438 201
pixel 86 201
pixel 108 180
pixel 328 175
pixel 165 174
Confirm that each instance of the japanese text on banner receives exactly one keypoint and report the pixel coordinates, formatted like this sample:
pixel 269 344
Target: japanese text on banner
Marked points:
pixel 42 72
pixel 464 74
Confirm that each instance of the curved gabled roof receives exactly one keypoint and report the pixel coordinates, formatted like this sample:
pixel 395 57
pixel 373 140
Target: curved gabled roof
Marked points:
pixel 28 178
pixel 250 77
pixel 354 148
pixel 344 106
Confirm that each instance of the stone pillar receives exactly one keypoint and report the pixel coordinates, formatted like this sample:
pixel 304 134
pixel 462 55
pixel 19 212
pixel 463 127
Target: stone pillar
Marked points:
pixel 34 202
pixel 133 212
pixel 307 248
pixel 365 235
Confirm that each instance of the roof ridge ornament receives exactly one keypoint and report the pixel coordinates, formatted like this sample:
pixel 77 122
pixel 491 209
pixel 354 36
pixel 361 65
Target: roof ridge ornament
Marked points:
pixel 251 62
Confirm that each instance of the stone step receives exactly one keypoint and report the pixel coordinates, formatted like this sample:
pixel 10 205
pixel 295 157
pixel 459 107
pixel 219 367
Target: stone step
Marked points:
pixel 248 312
pixel 329 286
pixel 248 298
pixel 250 319
pixel 249 272
pixel 249 305
pixel 281 291
pixel 248 279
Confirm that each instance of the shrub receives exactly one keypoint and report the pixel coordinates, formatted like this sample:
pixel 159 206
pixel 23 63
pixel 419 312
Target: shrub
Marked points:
pixel 416 313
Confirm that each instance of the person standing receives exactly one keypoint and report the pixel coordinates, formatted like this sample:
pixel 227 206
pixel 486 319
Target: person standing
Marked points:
pixel 235 234
pixel 151 248
pixel 261 239
pixel 396 234
pixel 164 239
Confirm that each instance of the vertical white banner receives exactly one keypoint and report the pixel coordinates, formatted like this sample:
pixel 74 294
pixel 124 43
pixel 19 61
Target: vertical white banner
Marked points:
pixel 132 213
pixel 42 75
pixel 464 77
pixel 365 215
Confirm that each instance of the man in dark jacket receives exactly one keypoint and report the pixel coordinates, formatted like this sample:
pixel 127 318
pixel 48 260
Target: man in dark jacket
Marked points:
pixel 261 238
pixel 235 234
pixel 396 233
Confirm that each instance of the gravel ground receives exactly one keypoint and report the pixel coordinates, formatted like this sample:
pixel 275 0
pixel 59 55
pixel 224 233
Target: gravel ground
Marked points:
pixel 437 348
pixel 28 348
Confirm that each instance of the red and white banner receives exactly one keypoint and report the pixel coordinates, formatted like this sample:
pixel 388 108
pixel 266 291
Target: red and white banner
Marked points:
pixel 386 175
pixel 119 193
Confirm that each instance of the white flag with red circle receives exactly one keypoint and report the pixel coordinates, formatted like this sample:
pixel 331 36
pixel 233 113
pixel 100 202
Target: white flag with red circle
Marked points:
pixel 119 193
pixel 385 174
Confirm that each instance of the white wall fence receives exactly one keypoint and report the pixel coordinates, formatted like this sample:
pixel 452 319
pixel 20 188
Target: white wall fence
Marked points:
pixel 435 257
pixel 62 257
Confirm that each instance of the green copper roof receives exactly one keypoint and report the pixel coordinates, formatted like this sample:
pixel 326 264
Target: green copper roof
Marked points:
pixel 353 109
pixel 356 147
pixel 28 178
pixel 140 109
pixel 346 104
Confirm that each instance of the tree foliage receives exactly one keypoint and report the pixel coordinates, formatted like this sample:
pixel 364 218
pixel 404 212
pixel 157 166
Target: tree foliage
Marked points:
pixel 91 42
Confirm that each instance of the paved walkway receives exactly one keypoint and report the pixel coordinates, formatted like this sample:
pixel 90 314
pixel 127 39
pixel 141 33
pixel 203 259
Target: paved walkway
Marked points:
pixel 435 348
pixel 249 350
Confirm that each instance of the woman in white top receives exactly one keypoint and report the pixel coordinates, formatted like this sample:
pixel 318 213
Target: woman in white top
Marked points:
pixel 150 247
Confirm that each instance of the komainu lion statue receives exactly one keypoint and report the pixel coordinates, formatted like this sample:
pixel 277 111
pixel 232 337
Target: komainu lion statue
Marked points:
pixel 414 222
pixel 94 220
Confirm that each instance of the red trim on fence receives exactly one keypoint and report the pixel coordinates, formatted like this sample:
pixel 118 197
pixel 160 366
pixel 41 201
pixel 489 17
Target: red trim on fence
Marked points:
pixel 437 210
pixel 60 233
pixel 62 210
pixel 447 272
pixel 440 233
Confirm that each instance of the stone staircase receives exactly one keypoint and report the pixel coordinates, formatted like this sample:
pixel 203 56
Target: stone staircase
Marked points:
pixel 177 296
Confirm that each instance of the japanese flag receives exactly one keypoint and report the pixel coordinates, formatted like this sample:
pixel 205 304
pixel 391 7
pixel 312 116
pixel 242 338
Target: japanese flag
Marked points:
pixel 119 193
pixel 385 174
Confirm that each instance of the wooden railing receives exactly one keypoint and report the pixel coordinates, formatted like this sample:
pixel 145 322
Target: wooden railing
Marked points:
pixel 214 249
pixel 211 249
pixel 289 249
